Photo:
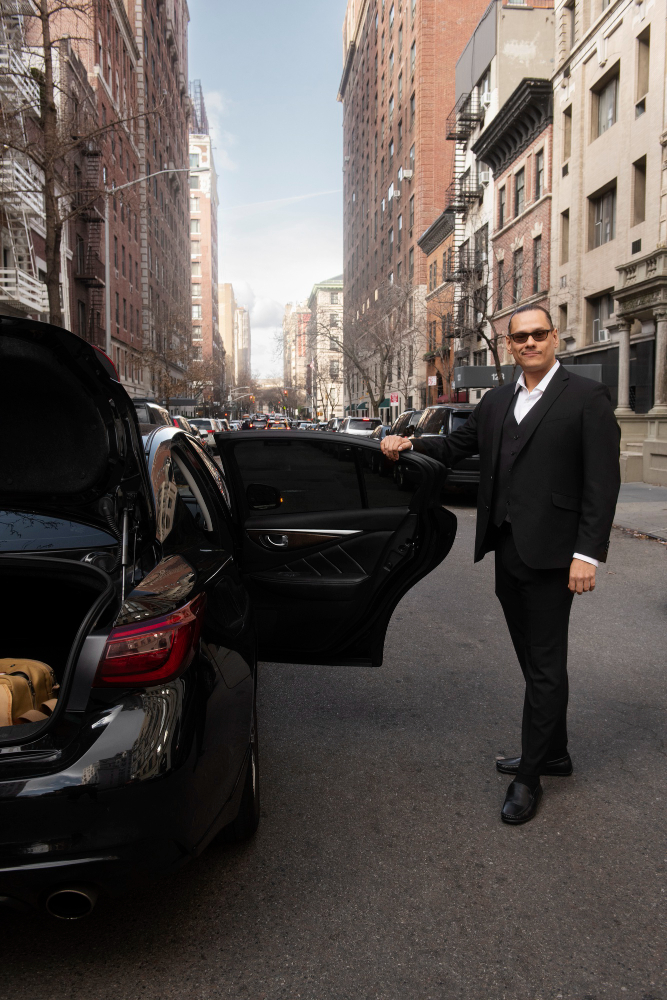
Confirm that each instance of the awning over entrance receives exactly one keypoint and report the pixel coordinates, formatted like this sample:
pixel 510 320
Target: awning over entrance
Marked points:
pixel 384 405
pixel 347 409
pixel 362 406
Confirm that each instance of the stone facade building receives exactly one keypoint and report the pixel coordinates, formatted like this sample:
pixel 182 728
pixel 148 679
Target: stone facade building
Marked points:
pixel 609 269
pixel 206 340
pixel 324 359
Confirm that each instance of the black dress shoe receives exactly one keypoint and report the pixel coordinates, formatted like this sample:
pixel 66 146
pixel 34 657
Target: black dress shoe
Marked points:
pixel 561 768
pixel 520 803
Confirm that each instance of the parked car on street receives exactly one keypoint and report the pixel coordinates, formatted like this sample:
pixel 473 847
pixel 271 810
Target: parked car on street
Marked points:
pixel 183 423
pixel 334 424
pixel 150 412
pixel 376 460
pixel 209 427
pixel 405 423
pixel 442 420
pixel 157 580
pixel 359 426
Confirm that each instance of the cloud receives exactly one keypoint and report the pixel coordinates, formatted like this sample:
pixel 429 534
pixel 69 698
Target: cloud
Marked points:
pixel 281 202
pixel 218 107
pixel 266 313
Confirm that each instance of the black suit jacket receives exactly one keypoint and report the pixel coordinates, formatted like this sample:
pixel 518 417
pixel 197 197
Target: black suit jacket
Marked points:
pixel 566 475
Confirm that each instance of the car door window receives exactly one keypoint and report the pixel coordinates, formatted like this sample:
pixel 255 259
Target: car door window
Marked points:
pixel 310 476
pixel 390 485
pixel 435 422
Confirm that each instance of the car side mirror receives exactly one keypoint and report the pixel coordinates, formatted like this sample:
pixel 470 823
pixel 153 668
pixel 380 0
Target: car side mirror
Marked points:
pixel 262 497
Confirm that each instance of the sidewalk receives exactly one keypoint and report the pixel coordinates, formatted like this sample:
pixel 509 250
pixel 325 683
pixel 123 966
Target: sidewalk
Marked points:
pixel 642 508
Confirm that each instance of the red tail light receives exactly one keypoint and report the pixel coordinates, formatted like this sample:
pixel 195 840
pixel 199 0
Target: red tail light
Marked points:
pixel 153 652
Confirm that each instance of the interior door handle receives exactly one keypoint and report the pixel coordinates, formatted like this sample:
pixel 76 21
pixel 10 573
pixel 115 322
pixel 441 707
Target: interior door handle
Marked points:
pixel 275 541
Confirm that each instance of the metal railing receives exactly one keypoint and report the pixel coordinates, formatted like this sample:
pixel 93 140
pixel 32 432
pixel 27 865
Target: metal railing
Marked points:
pixel 16 80
pixel 464 117
pixel 21 290
pixel 21 189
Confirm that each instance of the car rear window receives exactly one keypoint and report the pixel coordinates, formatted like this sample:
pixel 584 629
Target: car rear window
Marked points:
pixel 202 422
pixel 363 424
pixel 25 532
pixel 434 421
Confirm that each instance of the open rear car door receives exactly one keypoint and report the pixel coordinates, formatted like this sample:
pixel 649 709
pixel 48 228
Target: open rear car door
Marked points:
pixel 331 540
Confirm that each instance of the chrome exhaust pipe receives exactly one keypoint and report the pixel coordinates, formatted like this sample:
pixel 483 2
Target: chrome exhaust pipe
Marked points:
pixel 72 902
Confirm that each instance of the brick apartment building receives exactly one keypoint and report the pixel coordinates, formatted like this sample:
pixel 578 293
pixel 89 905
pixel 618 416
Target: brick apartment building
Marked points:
pixel 160 29
pixel 398 76
pixel 295 349
pixel 206 341
pixel 517 146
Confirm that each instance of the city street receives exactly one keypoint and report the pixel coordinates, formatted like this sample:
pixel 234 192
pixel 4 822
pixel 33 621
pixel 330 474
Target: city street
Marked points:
pixel 381 868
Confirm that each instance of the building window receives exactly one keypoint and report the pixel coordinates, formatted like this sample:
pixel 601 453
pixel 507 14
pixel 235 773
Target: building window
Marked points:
pixel 334 368
pixel 519 191
pixel 194 204
pixel 196 291
pixel 601 308
pixel 639 191
pixel 125 314
pixel 411 265
pixel 412 211
pixel 333 319
pixel 117 310
pixel 479 358
pixel 517 283
pixel 502 207
pixel 537 265
pixel 562 318
pixel 569 13
pixel 391 110
pixel 194 182
pixel 400 87
pixel 334 298
pixel 413 57
pixel 81 314
pixel 115 252
pixel 413 106
pixel 196 333
pixel 196 268
pixel 567 133
pixel 565 236
pixel 196 311
pixel 412 157
pixel 539 174
pixel 500 282
pixel 606 100
pixel 603 218
pixel 643 53
pixel 195 225
pixel 391 16
pixel 194 161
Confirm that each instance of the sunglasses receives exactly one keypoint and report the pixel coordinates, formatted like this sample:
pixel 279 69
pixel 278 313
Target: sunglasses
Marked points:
pixel 537 335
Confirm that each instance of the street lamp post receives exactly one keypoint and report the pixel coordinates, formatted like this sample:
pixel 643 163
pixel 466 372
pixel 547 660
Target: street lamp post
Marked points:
pixel 107 261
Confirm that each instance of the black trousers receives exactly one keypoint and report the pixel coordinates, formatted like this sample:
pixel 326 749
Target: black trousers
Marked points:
pixel 537 604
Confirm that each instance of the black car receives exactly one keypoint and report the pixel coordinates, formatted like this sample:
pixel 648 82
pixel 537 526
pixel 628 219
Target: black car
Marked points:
pixel 442 420
pixel 404 425
pixel 150 412
pixel 152 580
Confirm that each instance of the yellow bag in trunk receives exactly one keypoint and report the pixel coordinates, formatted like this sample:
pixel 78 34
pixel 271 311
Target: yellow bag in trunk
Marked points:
pixel 24 687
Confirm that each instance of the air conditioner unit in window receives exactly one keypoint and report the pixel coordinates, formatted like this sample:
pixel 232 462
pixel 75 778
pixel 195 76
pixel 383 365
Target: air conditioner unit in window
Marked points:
pixel 486 100
pixel 603 335
pixel 484 176
pixel 407 174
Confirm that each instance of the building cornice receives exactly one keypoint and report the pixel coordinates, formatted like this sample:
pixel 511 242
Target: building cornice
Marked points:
pixel 524 115
pixel 437 232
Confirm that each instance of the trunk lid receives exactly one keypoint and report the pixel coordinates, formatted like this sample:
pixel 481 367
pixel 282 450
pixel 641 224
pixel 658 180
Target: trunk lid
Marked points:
pixel 77 452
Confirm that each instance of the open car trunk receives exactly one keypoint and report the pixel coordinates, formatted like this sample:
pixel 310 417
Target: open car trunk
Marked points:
pixel 48 607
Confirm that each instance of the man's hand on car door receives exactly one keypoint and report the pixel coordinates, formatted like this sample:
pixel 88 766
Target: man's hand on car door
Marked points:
pixel 393 445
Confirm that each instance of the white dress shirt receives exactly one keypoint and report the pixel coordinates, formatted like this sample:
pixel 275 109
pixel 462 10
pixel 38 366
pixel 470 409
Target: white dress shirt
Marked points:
pixel 524 405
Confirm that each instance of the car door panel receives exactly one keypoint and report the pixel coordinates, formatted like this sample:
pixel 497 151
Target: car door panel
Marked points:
pixel 326 569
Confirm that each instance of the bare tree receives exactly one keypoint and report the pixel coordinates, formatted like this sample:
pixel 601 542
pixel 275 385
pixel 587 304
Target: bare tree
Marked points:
pixel 377 342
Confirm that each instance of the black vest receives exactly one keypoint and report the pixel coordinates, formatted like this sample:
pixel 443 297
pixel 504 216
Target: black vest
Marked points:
pixel 509 445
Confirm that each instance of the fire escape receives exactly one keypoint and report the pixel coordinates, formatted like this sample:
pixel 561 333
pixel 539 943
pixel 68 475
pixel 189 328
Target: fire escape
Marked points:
pixel 464 190
pixel 89 265
pixel 21 198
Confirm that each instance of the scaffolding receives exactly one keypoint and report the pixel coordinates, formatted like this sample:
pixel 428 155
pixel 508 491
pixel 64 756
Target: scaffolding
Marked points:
pixel 199 121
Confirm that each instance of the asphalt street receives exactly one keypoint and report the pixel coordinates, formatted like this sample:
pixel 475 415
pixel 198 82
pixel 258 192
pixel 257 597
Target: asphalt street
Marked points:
pixel 381 868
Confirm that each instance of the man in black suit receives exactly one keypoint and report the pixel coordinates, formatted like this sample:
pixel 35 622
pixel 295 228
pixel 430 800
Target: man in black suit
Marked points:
pixel 549 478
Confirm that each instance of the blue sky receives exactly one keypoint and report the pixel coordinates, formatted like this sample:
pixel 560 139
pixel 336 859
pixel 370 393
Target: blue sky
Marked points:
pixel 270 71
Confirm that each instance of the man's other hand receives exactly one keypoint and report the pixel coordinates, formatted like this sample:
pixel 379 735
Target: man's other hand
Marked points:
pixel 393 445
pixel 582 576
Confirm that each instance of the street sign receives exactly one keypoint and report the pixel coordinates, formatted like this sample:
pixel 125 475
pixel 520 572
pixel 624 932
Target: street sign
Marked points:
pixel 393 398
pixel 433 380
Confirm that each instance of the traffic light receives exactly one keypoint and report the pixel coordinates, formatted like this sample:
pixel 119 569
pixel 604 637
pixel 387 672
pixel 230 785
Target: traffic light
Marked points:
pixel 284 392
